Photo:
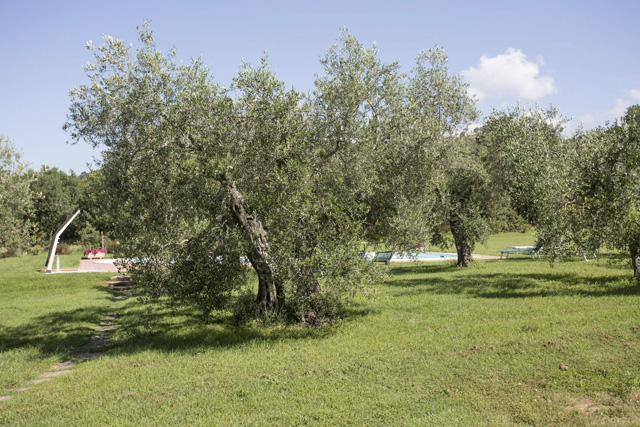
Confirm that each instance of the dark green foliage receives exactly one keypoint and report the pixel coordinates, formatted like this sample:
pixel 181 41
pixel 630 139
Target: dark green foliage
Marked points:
pixel 89 237
pixel 506 219
pixel 16 230
pixel 10 253
pixel 56 195
pixel 98 206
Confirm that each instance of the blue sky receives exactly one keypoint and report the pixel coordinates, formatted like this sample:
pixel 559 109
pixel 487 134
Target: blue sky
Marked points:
pixel 581 56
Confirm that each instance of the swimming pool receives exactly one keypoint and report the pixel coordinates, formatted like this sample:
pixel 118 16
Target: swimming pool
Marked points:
pixel 425 256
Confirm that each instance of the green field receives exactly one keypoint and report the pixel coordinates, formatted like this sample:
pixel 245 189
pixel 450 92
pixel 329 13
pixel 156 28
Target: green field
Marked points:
pixel 504 342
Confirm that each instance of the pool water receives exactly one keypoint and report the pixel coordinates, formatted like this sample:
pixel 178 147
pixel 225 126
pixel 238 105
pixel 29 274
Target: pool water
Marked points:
pixel 425 255
pixel 422 255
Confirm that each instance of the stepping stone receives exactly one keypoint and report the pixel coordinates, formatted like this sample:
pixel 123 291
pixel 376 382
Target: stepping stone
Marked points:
pixel 55 373
pixel 97 344
pixel 107 328
pixel 121 282
pixel 22 389
pixel 90 355
pixel 5 398
pixel 41 380
pixel 63 365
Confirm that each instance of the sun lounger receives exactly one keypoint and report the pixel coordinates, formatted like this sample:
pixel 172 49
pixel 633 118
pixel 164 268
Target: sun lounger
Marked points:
pixel 383 257
pixel 524 250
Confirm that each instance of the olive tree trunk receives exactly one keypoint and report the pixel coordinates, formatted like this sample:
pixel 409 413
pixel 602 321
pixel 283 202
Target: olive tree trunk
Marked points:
pixel 461 240
pixel 258 252
pixel 634 250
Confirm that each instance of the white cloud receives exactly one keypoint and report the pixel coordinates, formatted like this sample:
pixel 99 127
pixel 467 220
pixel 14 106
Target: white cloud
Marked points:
pixel 618 110
pixel 509 74
pixel 635 94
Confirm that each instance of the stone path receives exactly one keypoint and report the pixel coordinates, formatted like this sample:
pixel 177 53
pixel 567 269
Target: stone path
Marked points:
pixel 98 344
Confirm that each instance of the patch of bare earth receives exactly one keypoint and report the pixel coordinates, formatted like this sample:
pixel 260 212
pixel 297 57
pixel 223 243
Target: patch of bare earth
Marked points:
pixel 615 412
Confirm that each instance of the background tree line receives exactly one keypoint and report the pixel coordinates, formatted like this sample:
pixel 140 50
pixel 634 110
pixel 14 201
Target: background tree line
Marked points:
pixel 35 203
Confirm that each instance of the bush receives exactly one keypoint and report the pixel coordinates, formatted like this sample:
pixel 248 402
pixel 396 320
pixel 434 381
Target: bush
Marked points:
pixel 10 253
pixel 63 249
pixel 507 220
pixel 245 308
pixel 89 237
pixel 317 309
pixel 112 246
pixel 35 250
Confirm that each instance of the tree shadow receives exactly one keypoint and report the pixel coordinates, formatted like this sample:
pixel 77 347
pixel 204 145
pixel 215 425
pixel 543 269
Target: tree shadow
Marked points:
pixel 510 284
pixel 60 333
pixel 142 326
pixel 180 329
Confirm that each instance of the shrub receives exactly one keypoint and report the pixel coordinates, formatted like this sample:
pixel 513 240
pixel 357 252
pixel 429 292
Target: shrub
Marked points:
pixel 89 236
pixel 245 308
pixel 508 220
pixel 112 246
pixel 63 249
pixel 35 250
pixel 10 253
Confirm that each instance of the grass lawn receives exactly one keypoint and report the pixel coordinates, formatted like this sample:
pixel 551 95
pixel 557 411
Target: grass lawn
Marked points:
pixel 504 342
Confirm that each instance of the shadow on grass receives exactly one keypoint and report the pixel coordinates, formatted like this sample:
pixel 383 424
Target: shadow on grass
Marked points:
pixel 59 333
pixel 150 326
pixel 153 326
pixel 510 282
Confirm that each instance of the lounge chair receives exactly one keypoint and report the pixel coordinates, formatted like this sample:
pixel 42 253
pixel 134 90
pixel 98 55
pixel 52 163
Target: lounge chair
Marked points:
pixel 383 257
pixel 524 250
pixel 593 250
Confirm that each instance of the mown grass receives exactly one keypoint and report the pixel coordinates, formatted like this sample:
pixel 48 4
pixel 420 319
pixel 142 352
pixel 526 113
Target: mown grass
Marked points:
pixel 504 342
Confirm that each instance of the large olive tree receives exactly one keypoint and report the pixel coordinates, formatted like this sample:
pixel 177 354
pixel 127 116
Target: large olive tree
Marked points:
pixel 207 178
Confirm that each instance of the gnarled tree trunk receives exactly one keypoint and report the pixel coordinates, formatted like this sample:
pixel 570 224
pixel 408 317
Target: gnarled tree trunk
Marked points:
pixel 258 251
pixel 634 250
pixel 461 239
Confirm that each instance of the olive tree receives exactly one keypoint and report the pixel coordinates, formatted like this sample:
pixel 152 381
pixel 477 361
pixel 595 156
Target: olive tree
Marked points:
pixel 605 202
pixel 457 189
pixel 530 162
pixel 359 117
pixel 207 178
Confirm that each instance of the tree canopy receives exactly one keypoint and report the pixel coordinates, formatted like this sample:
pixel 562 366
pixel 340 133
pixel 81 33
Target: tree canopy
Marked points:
pixel 604 205
pixel 204 179
pixel 207 177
